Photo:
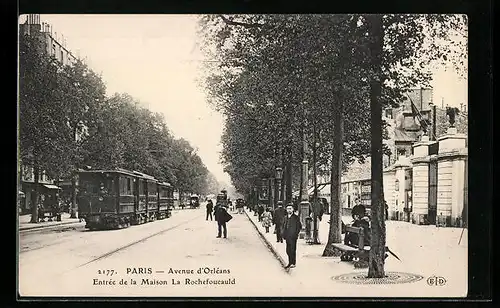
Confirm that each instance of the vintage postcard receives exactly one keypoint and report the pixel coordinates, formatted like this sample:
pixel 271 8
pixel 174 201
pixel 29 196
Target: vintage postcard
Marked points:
pixel 243 156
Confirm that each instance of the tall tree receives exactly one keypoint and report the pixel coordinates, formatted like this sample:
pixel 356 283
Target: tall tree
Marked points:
pixel 42 144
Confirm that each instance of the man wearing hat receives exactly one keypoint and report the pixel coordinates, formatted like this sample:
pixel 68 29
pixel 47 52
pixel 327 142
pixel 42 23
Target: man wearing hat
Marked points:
pixel 278 219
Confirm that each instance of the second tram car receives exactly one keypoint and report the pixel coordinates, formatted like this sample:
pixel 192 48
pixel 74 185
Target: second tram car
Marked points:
pixel 165 200
pixel 114 199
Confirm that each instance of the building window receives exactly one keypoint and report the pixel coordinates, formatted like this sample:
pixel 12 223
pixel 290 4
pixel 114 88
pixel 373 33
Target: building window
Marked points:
pixel 62 57
pixel 396 188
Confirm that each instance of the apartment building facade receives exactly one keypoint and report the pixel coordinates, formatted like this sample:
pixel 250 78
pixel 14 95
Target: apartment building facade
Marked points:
pixel 55 47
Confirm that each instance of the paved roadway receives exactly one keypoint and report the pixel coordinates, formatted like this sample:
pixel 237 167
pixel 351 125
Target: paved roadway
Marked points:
pixel 71 261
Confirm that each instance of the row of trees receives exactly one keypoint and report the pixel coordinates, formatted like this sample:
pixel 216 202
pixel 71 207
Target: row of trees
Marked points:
pixel 67 122
pixel 281 80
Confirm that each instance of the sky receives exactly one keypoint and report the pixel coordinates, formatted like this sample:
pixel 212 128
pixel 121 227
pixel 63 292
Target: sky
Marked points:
pixel 155 58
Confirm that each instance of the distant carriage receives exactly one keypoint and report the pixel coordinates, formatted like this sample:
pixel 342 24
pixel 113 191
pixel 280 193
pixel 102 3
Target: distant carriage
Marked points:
pixel 222 198
pixel 194 201
pixel 114 199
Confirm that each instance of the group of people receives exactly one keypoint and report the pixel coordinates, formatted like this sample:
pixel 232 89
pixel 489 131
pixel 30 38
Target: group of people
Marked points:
pixel 287 227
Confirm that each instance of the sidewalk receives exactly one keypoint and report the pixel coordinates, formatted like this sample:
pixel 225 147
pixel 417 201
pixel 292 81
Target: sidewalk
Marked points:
pixel 24 222
pixel 423 250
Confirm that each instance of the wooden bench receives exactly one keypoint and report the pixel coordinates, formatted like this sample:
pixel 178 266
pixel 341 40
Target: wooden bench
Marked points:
pixel 358 250
pixel 48 213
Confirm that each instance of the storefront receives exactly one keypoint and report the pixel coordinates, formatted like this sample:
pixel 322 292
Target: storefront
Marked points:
pixel 48 196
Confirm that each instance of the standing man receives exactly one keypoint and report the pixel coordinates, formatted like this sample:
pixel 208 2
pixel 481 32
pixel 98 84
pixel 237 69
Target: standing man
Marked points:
pixel 278 219
pixel 291 232
pixel 210 208
pixel 222 217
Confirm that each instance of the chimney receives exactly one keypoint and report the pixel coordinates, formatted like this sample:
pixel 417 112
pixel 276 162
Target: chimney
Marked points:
pixel 36 23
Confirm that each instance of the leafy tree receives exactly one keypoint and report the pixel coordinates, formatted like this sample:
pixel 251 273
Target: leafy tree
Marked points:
pixel 43 142
pixel 335 68
pixel 81 92
pixel 397 60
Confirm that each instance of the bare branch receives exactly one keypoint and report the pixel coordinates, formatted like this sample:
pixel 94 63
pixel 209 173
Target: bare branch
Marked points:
pixel 237 23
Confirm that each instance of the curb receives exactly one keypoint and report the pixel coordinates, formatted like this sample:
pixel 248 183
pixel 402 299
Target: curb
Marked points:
pixel 266 241
pixel 36 227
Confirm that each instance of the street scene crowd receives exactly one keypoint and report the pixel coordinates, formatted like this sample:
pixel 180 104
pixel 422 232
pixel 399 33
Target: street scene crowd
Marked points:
pixel 334 145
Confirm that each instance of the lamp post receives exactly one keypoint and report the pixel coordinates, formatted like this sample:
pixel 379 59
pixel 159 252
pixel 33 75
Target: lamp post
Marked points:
pixel 264 193
pixel 304 202
pixel 279 176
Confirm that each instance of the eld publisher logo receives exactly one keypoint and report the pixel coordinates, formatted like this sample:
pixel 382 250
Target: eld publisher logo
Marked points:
pixel 437 281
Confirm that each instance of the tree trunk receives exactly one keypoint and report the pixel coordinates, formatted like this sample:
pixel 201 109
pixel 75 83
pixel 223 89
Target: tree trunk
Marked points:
pixel 282 187
pixel 377 250
pixel 289 178
pixel 34 194
pixel 315 194
pixel 301 182
pixel 335 233
pixel 74 205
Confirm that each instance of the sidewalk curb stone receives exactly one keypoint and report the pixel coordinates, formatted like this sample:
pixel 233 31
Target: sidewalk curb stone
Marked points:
pixel 34 227
pixel 266 241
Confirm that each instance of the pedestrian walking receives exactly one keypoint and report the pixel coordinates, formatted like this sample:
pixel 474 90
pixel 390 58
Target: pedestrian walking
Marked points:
pixel 291 230
pixel 267 219
pixel 210 208
pixel 222 217
pixel 386 210
pixel 260 211
pixel 278 219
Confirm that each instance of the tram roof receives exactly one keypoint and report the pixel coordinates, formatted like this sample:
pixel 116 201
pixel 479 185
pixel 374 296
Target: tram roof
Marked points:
pixel 144 175
pixel 122 171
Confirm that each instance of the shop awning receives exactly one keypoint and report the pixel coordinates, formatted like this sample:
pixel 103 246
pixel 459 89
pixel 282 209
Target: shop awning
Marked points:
pixel 49 186
pixel 325 190
pixel 21 193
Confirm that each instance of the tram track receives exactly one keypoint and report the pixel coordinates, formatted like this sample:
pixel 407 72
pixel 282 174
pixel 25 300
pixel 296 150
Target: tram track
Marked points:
pixel 136 242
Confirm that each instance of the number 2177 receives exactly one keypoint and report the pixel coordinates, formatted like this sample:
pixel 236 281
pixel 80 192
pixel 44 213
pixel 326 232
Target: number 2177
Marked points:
pixel 107 272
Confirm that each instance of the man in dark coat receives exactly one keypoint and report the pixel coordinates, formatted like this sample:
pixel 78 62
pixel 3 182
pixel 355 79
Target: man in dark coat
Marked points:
pixel 260 211
pixel 353 238
pixel 222 217
pixel 210 208
pixel 291 230
pixel 278 219
pixel 358 210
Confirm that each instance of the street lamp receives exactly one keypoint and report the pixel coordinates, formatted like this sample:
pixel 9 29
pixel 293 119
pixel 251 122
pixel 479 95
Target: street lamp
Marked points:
pixel 264 191
pixel 279 176
pixel 304 202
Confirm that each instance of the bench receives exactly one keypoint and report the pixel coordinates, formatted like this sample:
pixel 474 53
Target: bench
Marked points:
pixel 358 250
pixel 48 213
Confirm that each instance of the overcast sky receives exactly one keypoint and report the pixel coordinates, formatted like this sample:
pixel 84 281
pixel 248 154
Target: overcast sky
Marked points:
pixel 149 57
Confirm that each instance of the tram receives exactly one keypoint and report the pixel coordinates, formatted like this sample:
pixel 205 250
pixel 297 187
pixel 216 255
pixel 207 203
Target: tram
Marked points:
pixel 115 199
